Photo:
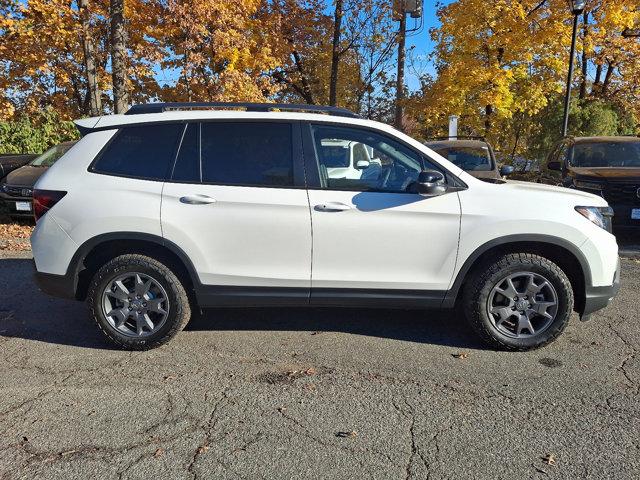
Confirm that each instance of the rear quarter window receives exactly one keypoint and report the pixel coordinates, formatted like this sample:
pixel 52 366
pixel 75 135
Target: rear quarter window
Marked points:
pixel 144 152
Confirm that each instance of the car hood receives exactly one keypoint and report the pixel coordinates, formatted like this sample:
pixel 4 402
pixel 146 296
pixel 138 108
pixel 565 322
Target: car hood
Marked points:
pixel 26 176
pixel 612 173
pixel 568 194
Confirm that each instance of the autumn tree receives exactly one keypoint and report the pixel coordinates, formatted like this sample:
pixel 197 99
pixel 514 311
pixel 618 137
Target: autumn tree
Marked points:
pixel 499 63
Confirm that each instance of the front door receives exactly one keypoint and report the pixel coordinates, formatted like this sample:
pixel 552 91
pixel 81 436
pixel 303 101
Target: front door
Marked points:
pixel 373 237
pixel 236 204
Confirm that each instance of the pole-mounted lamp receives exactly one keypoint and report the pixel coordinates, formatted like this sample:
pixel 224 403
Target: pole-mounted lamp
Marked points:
pixel 577 7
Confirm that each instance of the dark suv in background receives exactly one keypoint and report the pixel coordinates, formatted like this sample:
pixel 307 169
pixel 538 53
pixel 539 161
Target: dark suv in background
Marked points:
pixel 606 166
pixel 474 156
pixel 16 189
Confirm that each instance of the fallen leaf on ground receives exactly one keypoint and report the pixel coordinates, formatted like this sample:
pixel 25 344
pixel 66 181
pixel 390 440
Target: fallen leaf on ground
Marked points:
pixel 203 449
pixel 310 371
pixel 550 459
pixel 159 452
pixel 350 434
pixel 460 356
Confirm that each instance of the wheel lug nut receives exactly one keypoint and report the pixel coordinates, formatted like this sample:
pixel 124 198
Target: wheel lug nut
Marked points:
pixel 130 308
pixel 144 304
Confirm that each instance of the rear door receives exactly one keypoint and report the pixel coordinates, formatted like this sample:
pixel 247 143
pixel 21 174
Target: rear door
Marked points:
pixel 237 205
pixel 373 236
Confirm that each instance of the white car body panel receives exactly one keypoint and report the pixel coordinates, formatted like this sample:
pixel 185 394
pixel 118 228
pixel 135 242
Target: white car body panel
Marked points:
pixel 97 204
pixel 248 237
pixel 384 240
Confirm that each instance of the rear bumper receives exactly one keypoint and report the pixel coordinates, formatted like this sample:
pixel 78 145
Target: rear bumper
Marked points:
pixel 63 286
pixel 597 298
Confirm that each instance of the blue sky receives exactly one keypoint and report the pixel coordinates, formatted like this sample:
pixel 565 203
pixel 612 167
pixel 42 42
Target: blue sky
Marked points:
pixel 423 45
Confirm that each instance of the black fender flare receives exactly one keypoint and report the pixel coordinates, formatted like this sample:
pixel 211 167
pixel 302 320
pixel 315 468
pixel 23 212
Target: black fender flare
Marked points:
pixel 452 294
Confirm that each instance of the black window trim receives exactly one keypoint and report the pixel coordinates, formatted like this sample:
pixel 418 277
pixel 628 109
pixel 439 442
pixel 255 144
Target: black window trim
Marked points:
pixel 312 166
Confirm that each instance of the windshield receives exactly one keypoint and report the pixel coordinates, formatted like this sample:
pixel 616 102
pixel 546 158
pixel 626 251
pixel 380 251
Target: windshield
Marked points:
pixel 606 154
pixel 468 158
pixel 50 157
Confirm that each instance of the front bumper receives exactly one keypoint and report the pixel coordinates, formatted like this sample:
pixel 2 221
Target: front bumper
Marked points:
pixel 597 298
pixel 622 215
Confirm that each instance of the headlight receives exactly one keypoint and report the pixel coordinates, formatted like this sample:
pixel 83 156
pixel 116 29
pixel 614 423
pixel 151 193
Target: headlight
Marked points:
pixel 587 185
pixel 601 216
pixel 3 188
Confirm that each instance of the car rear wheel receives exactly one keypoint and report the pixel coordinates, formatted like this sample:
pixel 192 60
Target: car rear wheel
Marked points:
pixel 518 301
pixel 138 302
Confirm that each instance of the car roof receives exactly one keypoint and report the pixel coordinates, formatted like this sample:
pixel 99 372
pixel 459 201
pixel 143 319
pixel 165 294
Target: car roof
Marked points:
pixel 456 143
pixel 606 139
pixel 116 121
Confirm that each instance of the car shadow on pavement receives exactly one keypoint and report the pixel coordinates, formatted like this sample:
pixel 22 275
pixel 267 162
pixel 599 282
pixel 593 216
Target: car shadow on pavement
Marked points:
pixel 439 327
pixel 27 313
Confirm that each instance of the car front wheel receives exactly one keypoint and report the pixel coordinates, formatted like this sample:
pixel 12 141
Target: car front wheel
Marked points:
pixel 518 301
pixel 138 302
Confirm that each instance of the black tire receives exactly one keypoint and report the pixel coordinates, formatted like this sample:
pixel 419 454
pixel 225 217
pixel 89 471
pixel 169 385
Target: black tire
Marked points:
pixel 478 289
pixel 178 313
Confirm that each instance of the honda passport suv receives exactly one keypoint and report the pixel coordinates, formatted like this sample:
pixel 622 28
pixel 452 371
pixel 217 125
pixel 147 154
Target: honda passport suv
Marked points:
pixel 176 207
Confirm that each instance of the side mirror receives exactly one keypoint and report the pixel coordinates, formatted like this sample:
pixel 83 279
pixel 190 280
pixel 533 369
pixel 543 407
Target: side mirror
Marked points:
pixel 431 183
pixel 362 164
pixel 554 166
pixel 507 170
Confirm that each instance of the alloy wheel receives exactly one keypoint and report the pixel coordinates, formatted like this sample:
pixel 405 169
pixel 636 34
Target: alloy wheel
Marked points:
pixel 135 304
pixel 522 305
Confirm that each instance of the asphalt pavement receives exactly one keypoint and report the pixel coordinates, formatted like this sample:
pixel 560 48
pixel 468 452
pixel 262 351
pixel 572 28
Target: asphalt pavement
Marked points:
pixel 313 394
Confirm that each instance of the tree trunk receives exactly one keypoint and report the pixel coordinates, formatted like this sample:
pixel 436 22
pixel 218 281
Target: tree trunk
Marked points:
pixel 93 91
pixel 585 58
pixel 488 110
pixel 119 57
pixel 306 91
pixel 335 53
pixel 607 77
pixel 92 103
pixel 399 121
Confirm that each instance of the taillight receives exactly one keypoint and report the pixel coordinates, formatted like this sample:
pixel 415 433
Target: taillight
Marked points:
pixel 44 200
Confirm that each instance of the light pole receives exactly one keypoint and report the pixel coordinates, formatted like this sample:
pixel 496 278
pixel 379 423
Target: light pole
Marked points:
pixel 577 7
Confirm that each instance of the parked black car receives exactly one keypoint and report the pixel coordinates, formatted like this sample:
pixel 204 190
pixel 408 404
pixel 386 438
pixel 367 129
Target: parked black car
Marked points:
pixel 10 161
pixel 606 166
pixel 16 189
pixel 476 157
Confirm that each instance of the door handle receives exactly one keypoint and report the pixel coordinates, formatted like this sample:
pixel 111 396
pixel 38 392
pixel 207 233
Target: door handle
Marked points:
pixel 332 207
pixel 197 199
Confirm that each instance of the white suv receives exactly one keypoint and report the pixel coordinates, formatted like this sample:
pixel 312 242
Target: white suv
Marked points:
pixel 178 206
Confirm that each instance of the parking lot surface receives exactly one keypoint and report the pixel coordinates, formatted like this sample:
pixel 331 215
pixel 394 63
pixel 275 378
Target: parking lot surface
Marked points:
pixel 304 393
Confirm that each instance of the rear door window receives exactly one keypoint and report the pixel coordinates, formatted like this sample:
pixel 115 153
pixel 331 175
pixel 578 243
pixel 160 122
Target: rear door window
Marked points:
pixel 144 152
pixel 187 166
pixel 247 153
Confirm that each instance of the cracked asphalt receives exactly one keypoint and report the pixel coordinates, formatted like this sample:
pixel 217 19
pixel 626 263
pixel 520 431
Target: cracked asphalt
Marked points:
pixel 324 393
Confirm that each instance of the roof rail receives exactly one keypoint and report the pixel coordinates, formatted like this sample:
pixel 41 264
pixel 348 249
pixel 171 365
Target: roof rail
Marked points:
pixel 458 137
pixel 249 107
